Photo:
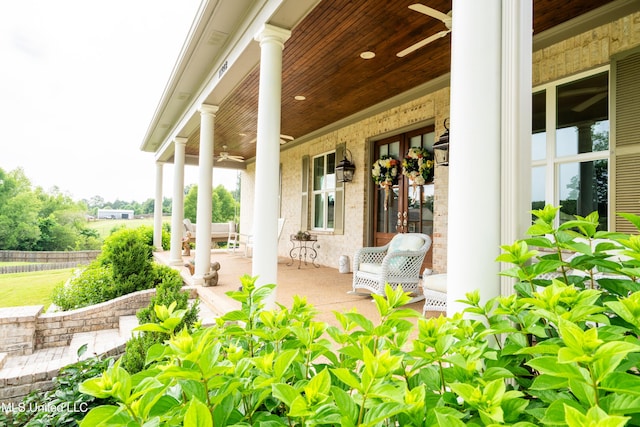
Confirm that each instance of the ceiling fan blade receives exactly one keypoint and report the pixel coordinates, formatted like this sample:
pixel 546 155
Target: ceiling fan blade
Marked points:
pixel 236 158
pixel 422 43
pixel 589 102
pixel 432 13
pixel 283 139
pixel 583 91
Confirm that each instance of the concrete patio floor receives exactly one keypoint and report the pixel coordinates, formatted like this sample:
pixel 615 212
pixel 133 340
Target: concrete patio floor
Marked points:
pixel 324 287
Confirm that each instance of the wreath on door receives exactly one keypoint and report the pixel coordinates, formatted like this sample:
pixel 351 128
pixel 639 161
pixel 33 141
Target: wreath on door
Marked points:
pixel 385 173
pixel 418 166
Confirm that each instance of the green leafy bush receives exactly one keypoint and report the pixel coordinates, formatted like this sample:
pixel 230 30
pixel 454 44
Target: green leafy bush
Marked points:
pixel 64 405
pixel 125 265
pixel 561 351
pixel 168 290
pixel 92 285
pixel 130 257
pixel 147 231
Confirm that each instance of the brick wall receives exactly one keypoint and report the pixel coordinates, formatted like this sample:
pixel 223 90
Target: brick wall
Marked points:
pixel 587 50
pixel 430 108
pixel 57 329
pixel 25 329
pixel 18 329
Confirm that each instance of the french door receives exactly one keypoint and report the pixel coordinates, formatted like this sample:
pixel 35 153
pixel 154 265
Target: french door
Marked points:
pixel 403 207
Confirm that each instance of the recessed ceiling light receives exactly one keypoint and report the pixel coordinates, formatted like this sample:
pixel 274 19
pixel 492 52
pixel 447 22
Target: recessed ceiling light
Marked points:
pixel 367 55
pixel 299 97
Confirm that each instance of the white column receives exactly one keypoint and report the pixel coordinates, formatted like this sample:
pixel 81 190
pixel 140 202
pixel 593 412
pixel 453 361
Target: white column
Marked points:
pixel 517 24
pixel 157 209
pixel 205 189
pixel 177 205
pixel 474 167
pixel 265 217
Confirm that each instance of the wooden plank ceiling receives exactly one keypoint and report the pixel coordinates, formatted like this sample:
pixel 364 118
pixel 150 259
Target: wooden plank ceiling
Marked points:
pixel 321 61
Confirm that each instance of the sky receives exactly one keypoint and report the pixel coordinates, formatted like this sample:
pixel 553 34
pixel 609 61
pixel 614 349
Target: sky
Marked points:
pixel 79 83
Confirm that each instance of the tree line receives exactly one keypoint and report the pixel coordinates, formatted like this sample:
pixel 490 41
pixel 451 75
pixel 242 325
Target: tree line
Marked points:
pixel 32 219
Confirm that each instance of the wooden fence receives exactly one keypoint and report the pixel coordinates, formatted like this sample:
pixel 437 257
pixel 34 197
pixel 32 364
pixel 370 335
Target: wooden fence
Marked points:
pixel 41 260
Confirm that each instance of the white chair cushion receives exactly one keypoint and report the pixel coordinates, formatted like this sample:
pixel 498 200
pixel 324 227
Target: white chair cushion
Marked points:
pixel 405 242
pixel 370 267
pixel 435 282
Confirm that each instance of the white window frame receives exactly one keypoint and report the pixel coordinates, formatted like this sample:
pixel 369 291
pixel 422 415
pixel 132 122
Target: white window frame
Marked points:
pixel 551 162
pixel 324 191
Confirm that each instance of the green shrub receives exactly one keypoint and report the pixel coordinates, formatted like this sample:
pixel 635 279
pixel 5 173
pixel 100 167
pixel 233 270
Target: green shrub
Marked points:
pixel 130 257
pixel 147 231
pixel 64 405
pixel 168 290
pixel 136 351
pixel 92 285
pixel 125 265
pixel 561 351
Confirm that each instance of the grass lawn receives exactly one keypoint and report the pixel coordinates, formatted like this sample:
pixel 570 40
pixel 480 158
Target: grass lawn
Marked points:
pixel 31 288
pixel 106 226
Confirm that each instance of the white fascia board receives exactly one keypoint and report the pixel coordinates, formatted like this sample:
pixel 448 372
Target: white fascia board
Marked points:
pixel 241 55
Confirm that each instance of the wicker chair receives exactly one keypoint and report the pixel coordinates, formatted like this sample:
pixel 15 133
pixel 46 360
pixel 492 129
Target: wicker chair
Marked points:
pixel 434 288
pixel 396 263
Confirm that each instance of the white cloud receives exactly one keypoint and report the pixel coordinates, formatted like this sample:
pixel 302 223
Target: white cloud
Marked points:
pixel 79 84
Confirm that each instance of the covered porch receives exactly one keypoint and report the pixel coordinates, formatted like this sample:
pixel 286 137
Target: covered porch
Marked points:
pixel 288 93
pixel 324 287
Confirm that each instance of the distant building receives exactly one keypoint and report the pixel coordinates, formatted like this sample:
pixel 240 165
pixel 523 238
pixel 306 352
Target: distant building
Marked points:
pixel 115 213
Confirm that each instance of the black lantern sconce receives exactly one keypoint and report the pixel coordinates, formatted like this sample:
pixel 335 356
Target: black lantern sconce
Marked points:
pixel 345 169
pixel 441 147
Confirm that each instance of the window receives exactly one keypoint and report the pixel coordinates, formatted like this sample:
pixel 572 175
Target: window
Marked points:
pixel 570 146
pixel 324 192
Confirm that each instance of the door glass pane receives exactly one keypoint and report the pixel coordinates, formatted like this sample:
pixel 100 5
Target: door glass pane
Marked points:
pixel 582 189
pixel 428 139
pixel 420 215
pixel 394 150
pixel 582 124
pixel 387 219
pixel 415 141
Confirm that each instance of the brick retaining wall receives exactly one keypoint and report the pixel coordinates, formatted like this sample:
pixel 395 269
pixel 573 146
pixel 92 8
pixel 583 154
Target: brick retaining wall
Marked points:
pixel 25 329
pixel 15 388
pixel 57 329
pixel 18 329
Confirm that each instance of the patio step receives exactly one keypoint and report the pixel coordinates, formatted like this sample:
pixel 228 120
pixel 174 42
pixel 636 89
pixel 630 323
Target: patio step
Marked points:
pixel 97 342
pixel 126 326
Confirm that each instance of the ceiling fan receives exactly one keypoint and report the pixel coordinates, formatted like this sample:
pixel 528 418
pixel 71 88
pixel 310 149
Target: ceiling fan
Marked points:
pixel 283 139
pixel 224 155
pixel 444 17
pixel 598 93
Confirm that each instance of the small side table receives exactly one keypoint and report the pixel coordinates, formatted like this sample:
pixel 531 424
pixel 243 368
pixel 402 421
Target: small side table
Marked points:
pixel 302 249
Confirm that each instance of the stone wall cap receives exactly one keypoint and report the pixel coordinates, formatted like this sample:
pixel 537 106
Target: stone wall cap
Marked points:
pixel 15 313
